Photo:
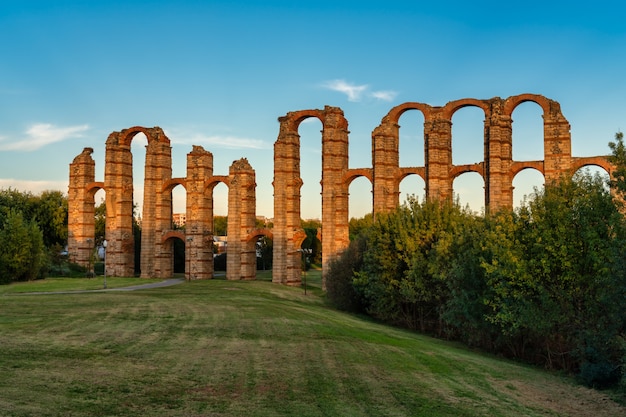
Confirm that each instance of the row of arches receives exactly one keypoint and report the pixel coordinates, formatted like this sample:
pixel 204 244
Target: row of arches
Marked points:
pixel 497 169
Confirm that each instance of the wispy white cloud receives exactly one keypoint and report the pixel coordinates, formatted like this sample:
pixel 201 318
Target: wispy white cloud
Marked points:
pixel 384 95
pixel 358 92
pixel 35 187
pixel 354 92
pixel 40 135
pixel 223 142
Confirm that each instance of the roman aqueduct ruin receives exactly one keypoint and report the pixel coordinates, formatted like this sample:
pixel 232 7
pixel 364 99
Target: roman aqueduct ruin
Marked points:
pixel 497 170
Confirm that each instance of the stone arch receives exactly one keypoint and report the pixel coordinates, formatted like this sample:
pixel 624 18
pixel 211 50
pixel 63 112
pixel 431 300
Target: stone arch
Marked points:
pixel 154 134
pixel 453 106
pixel 556 133
pixel 171 234
pixel 258 233
pixel 355 173
pixel 526 188
pixel 287 183
pixel 546 104
pixel 459 170
pixel 214 180
pixel 385 155
pixel 517 167
pixel 393 116
pixel 601 161
pixel 406 171
pixel 156 216
pixel 170 184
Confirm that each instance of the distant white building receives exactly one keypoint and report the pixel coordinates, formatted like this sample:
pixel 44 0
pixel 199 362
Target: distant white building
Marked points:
pixel 221 243
pixel 179 219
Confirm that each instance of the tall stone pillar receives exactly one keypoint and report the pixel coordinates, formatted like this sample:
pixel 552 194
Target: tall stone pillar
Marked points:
pixel 118 183
pixel 241 259
pixel 556 141
pixel 385 163
pixel 287 184
pixel 335 193
pixel 81 209
pixel 438 149
pixel 199 226
pixel 157 256
pixel 498 158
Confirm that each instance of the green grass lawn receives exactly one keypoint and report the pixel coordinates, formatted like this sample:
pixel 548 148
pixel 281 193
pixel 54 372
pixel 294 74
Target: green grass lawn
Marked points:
pixel 231 348
pixel 72 284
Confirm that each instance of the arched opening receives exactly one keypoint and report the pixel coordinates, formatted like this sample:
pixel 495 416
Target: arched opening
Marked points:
pixel 220 199
pixel 528 132
pixel 264 257
pixel 412 186
pixel 96 258
pixel 310 168
pixel 311 259
pixel 360 202
pixel 411 139
pixel 138 150
pixel 525 183
pixel 178 223
pixel 468 136
pixel 179 208
pixel 220 228
pixel 469 191
pixel 595 170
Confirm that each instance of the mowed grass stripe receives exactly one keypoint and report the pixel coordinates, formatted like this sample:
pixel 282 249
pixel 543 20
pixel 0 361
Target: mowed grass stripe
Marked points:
pixel 220 348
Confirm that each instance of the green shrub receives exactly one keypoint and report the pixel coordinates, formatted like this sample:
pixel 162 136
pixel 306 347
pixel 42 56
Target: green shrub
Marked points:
pixel 340 290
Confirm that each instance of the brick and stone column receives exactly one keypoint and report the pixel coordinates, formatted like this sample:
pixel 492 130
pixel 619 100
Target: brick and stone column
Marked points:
pixel 287 184
pixel 81 209
pixel 199 225
pixel 335 193
pixel 498 158
pixel 241 259
pixel 157 257
pixel 438 148
pixel 557 142
pixel 386 164
pixel 118 183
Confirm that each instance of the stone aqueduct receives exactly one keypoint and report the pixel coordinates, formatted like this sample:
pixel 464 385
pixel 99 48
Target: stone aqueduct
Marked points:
pixel 497 170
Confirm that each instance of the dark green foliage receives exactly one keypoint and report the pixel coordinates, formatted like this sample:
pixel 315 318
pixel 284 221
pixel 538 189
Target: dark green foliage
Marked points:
pixel 219 262
pixel 546 284
pixel 48 210
pixel 618 158
pixel 402 279
pixel 340 290
pixel 22 252
pixel 220 225
pixel 265 247
pixel 360 226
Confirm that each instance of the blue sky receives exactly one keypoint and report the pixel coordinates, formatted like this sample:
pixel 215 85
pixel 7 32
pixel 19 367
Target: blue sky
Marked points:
pixel 219 74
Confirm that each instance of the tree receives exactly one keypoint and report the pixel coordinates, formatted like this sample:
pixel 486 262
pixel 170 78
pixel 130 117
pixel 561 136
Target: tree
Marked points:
pixel 359 226
pixel 51 213
pixel 562 298
pixel 22 254
pixel 402 279
pixel 618 158
pixel 220 225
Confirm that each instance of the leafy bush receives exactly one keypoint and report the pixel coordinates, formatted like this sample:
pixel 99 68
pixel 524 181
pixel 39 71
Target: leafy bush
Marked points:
pixel 340 290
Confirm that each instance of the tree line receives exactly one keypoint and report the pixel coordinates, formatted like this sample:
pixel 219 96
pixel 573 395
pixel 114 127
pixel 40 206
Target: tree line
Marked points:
pixel 33 233
pixel 545 283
